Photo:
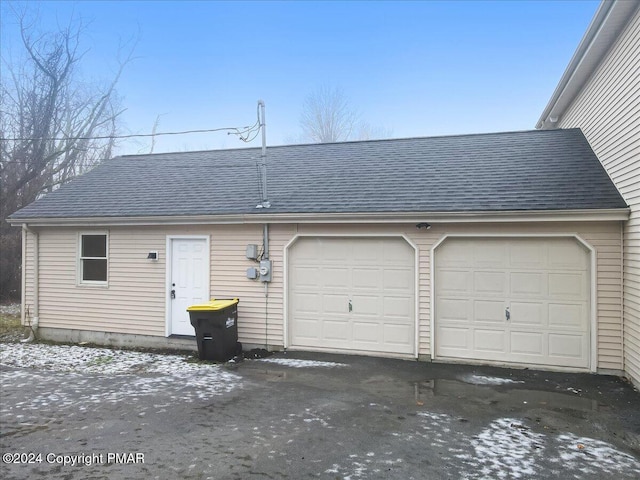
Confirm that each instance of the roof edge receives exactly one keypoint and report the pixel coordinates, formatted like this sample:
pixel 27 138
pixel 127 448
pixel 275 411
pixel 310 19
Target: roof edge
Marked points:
pixel 608 22
pixel 507 216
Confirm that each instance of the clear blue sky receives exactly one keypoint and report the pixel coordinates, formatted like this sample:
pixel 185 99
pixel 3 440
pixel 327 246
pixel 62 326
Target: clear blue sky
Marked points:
pixel 414 68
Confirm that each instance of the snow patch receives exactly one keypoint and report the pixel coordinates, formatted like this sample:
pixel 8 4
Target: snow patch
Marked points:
pixel 294 363
pixel 484 380
pixel 73 358
pixel 588 455
pixel 507 449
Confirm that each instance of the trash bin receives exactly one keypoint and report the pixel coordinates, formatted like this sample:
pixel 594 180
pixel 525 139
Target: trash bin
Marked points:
pixel 216 325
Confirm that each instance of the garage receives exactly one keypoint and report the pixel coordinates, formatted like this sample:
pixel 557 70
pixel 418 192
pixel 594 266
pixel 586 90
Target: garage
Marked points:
pixel 513 300
pixel 352 294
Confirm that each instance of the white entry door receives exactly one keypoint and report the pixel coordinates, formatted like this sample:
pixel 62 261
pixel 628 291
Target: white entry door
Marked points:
pixel 188 281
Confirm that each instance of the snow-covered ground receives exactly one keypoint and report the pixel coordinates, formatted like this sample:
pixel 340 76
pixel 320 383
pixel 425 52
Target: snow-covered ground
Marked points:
pixel 74 358
pixel 132 375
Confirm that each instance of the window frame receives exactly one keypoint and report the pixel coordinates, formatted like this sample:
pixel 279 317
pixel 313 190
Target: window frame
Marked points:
pixel 80 260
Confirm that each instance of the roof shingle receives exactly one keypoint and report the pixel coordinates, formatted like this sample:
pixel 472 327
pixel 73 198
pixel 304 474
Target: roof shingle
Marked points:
pixel 511 171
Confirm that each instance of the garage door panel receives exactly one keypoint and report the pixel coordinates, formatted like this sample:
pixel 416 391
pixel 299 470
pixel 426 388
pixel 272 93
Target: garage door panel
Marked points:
pixel 335 329
pixel 332 252
pixel 567 346
pixel 310 303
pixel 566 285
pixel 453 309
pixel 545 284
pixel 397 253
pixel 488 311
pixel 366 332
pixel 398 279
pixel 493 283
pixel 566 316
pixel 398 307
pixel 308 329
pixel 400 335
pixel 457 255
pixel 528 284
pixel 305 277
pixel 528 314
pixel 367 305
pixel 362 256
pixel 376 274
pixel 487 340
pixel 366 278
pixel 452 339
pixel 335 278
pixel 334 304
pixel 493 256
pixel 455 281
pixel 527 343
pixel 527 254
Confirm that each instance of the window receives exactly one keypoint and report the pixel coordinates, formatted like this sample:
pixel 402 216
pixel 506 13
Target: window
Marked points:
pixel 93 258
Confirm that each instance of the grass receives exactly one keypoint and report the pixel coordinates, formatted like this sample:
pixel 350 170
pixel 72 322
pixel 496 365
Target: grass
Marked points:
pixel 10 327
pixel 9 323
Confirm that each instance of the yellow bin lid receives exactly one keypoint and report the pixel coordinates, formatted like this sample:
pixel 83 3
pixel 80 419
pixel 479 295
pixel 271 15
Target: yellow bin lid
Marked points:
pixel 213 305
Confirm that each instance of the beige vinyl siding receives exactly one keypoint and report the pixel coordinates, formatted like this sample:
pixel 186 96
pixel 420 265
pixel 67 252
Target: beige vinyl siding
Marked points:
pixel 228 279
pixel 608 112
pixel 134 300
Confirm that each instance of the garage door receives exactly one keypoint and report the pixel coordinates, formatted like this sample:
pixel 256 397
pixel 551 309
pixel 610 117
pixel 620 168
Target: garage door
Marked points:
pixel 513 300
pixel 352 294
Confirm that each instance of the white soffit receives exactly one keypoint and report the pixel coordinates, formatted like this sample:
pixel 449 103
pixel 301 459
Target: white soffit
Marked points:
pixel 607 23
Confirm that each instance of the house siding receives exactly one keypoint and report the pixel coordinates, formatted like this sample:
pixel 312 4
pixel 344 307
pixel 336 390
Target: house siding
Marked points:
pixel 607 110
pixel 135 298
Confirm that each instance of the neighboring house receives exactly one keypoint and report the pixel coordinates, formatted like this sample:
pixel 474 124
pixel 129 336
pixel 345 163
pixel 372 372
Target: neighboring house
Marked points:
pixel 600 93
pixel 498 248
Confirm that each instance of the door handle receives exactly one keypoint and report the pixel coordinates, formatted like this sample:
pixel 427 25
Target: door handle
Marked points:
pixel 173 294
pixel 350 306
pixel 507 314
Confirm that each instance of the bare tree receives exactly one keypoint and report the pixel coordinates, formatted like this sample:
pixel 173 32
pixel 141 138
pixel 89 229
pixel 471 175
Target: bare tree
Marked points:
pixel 53 126
pixel 327 116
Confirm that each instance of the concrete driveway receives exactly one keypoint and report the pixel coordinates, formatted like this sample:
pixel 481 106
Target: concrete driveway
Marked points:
pixel 301 415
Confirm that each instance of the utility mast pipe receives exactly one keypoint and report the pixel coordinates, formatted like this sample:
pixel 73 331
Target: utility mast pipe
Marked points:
pixel 263 157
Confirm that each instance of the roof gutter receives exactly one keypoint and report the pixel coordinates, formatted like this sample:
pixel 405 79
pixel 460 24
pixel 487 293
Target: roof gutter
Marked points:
pixel 614 214
pixel 603 31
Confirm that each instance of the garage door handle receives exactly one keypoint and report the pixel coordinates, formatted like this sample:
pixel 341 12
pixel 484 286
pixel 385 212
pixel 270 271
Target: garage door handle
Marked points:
pixel 507 314
pixel 350 306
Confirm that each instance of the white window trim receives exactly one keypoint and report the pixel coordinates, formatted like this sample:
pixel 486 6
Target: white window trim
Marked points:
pixel 80 258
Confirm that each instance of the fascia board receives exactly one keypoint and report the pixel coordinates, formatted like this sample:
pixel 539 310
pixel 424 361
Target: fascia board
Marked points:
pixel 618 214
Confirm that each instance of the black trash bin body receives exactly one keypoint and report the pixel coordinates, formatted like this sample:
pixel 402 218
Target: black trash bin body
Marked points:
pixel 216 325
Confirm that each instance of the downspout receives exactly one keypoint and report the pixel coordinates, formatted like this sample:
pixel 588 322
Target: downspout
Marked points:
pixel 36 281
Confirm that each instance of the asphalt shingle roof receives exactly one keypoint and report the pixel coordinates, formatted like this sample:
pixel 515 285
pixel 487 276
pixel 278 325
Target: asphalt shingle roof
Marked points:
pixel 531 170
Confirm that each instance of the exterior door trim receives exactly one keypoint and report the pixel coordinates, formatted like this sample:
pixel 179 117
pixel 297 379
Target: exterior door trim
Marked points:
pixel 416 287
pixel 168 263
pixel 593 303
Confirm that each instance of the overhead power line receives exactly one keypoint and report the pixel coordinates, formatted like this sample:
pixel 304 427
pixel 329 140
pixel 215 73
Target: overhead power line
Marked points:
pixel 231 131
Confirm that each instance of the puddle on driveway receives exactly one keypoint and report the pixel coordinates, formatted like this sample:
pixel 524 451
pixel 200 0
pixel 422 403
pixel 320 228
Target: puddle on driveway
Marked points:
pixel 505 395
